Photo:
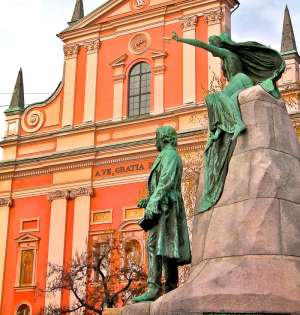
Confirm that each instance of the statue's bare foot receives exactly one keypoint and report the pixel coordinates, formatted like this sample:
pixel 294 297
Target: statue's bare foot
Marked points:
pixel 238 129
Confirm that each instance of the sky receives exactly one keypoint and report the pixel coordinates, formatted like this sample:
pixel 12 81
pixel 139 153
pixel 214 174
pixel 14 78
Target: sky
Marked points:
pixel 28 31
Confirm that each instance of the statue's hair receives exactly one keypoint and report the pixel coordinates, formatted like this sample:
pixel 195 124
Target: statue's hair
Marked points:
pixel 167 134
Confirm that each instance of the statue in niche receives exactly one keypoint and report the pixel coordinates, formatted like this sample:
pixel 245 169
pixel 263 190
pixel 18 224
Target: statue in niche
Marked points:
pixel 244 65
pixel 168 243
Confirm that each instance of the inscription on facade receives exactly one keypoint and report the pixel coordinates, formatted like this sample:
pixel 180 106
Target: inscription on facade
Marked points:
pixel 123 170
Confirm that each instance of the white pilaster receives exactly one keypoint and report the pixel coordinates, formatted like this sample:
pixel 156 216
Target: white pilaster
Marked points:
pixel 159 78
pixel 56 245
pixel 5 204
pixel 71 53
pixel 215 24
pixel 92 48
pixel 81 222
pixel 119 76
pixel 189 60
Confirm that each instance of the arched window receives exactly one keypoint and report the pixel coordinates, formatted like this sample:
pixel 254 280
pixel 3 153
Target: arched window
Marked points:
pixel 133 253
pixel 23 310
pixel 139 90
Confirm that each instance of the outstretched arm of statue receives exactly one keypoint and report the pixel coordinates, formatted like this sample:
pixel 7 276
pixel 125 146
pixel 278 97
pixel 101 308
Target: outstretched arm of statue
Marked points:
pixel 216 51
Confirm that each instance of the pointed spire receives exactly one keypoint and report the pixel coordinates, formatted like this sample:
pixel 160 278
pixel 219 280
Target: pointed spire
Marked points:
pixel 288 42
pixel 17 101
pixel 78 12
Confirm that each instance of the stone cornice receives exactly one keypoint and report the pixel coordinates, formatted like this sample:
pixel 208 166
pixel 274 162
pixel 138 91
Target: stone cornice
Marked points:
pixel 81 191
pixel 93 161
pixel 104 125
pixel 58 194
pixel 5 202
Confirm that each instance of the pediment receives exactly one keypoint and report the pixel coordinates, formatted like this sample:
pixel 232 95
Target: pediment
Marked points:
pixel 113 9
pixel 130 225
pixel 27 238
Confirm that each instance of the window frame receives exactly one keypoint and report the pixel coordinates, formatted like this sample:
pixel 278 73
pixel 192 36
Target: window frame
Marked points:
pixel 140 94
pixel 25 243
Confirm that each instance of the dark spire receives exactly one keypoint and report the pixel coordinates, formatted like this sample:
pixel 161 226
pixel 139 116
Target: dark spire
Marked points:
pixel 17 101
pixel 288 43
pixel 78 12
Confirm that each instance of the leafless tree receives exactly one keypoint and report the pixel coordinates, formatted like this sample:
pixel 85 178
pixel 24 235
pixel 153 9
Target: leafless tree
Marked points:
pixel 95 281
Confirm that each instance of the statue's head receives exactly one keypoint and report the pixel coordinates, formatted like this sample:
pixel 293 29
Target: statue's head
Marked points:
pixel 215 40
pixel 219 40
pixel 165 135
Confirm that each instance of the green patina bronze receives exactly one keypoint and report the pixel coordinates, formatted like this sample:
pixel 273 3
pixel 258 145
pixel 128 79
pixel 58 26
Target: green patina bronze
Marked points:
pixel 244 65
pixel 168 243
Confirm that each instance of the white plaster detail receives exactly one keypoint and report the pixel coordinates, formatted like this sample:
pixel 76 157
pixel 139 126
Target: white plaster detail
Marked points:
pixel 55 248
pixel 139 43
pixel 4 216
pixel 33 120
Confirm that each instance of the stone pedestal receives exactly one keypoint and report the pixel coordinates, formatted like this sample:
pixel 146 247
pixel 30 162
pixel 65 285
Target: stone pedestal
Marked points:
pixel 246 250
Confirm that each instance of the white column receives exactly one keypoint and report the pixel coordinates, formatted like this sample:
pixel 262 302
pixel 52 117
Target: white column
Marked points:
pixel 71 53
pixel 214 21
pixel 81 222
pixel 92 48
pixel 189 60
pixel 119 76
pixel 56 245
pixel 159 78
pixel 5 204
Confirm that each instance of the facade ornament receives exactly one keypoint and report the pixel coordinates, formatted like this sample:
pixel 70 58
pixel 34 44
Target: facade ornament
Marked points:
pixel 189 23
pixel 92 46
pixel 58 194
pixel 5 202
pixel 81 191
pixel 33 120
pixel 139 43
pixel 71 51
pixel 214 17
pixel 139 4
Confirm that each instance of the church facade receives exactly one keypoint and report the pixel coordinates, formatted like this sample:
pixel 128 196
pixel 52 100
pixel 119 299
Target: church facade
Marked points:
pixel 75 165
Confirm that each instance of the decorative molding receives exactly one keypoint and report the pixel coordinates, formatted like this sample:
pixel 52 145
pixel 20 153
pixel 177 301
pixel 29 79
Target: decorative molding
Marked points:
pixel 214 17
pixel 159 69
pixel 189 23
pixel 158 54
pixel 119 62
pixel 139 43
pixel 296 122
pixel 33 120
pixel 81 191
pixel 5 202
pixel 71 51
pixel 58 194
pixel 79 165
pixel 119 77
pixel 93 46
pixel 101 216
pixel 139 4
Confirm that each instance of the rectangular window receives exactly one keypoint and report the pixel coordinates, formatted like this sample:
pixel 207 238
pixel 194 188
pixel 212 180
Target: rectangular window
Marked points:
pixel 27 267
pixel 30 225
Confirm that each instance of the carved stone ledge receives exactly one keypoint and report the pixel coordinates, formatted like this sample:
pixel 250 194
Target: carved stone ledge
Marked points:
pixel 82 191
pixel 58 194
pixel 159 69
pixel 214 17
pixel 93 46
pixel 71 51
pixel 189 23
pixel 5 202
pixel 119 77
